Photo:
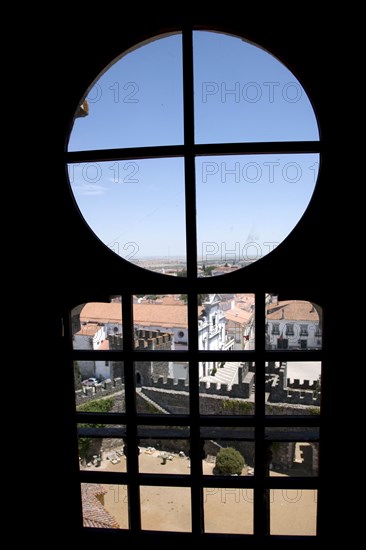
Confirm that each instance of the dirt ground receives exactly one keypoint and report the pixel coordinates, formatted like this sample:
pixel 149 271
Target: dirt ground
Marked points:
pixel 292 512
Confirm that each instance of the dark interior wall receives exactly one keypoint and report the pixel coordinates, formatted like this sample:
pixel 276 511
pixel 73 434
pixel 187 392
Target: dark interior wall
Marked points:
pixel 79 269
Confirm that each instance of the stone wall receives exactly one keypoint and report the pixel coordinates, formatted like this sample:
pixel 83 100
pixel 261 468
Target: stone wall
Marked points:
pixel 144 340
pixel 104 389
pixel 243 389
pixel 173 401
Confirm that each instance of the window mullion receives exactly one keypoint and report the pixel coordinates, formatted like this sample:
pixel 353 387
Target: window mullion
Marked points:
pixel 261 494
pixel 131 418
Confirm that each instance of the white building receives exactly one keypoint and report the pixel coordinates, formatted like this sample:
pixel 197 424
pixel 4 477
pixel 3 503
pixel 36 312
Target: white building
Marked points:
pixel 212 331
pixel 292 324
pixel 99 320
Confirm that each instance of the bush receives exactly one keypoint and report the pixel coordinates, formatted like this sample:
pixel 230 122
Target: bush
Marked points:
pixel 229 461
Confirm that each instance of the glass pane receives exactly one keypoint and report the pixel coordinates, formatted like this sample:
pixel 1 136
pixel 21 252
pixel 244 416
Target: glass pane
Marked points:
pixel 104 397
pixel 293 511
pixel 136 208
pixel 104 506
pixel 293 387
pixel 165 508
pixel 102 454
pixel 229 389
pixel 166 450
pixel 162 387
pixel 261 198
pixel 226 323
pixel 244 94
pixel 136 102
pixel 228 451
pixel 296 458
pixel 293 325
pixel 93 325
pixel 228 510
pixel 161 323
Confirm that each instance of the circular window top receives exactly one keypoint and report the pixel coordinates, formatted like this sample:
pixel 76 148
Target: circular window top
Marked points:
pixel 239 163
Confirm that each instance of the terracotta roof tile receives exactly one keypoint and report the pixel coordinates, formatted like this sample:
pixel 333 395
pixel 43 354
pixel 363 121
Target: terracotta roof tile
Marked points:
pixel 237 315
pixel 158 315
pixel 292 310
pixel 94 513
pixel 90 329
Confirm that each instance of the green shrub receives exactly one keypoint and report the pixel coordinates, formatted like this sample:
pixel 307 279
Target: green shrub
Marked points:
pixel 229 461
pixel 235 406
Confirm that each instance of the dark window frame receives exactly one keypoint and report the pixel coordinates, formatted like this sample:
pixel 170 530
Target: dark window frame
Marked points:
pixel 192 286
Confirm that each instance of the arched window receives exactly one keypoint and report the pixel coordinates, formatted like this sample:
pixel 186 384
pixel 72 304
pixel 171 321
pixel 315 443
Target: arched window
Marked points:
pixel 192 157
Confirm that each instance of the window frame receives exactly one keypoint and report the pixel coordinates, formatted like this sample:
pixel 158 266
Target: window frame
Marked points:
pixel 192 286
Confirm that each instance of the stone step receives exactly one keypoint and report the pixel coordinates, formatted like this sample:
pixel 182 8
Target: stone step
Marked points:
pixel 224 375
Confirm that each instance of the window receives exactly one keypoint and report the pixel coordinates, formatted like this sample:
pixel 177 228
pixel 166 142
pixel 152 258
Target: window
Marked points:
pixel 304 330
pixel 167 451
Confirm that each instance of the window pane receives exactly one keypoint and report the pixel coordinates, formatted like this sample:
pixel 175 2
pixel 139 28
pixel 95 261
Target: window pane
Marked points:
pixel 137 101
pixel 228 451
pixel 136 208
pixel 166 450
pixel 293 511
pixel 293 325
pixel 261 198
pixel 104 397
pixel 229 389
pixel 298 458
pixel 244 94
pixel 93 325
pixel 161 323
pixel 165 508
pixel 101 453
pixel 228 510
pixel 293 387
pixel 293 451
pixel 226 323
pixel 104 506
pixel 162 387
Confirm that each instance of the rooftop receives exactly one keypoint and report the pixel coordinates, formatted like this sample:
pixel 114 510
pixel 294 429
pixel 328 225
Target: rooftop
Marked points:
pixel 238 315
pixel 292 310
pixel 94 513
pixel 90 329
pixel 146 315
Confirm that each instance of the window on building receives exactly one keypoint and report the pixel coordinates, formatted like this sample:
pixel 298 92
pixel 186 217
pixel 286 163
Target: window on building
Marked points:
pixel 168 176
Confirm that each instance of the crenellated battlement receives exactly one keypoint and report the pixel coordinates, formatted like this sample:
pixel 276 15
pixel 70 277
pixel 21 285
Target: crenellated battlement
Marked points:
pixel 90 393
pixel 304 385
pixel 144 340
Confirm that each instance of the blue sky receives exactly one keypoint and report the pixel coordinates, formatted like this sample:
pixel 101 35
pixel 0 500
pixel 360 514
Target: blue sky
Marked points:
pixel 242 93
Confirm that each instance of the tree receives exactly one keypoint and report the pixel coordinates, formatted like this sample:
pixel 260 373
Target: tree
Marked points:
pixel 184 298
pixel 229 461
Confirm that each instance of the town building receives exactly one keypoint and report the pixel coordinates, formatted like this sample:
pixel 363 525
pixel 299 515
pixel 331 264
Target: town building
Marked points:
pixel 292 324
